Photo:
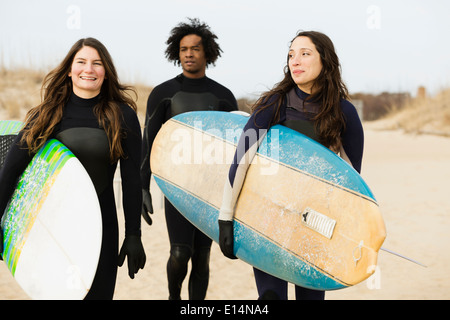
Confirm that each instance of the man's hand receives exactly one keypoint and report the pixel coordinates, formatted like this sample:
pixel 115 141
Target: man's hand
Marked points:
pixel 147 206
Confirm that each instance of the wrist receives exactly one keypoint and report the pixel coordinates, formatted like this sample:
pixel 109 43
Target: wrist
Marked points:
pixel 226 215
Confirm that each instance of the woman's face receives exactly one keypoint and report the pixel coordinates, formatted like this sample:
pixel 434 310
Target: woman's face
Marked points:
pixel 87 72
pixel 305 64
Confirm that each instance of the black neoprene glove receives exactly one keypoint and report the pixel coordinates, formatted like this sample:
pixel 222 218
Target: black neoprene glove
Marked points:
pixel 226 240
pixel 132 248
pixel 147 206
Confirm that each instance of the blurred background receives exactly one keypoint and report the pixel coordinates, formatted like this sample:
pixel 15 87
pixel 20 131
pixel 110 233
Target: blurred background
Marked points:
pixel 391 52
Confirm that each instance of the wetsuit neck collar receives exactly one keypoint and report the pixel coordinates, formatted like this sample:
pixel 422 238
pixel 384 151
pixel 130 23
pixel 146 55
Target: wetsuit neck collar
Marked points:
pixel 196 81
pixel 301 94
pixel 84 102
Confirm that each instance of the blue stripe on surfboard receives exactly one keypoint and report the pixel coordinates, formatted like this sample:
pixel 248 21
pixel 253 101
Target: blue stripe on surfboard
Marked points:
pixel 309 156
pixel 256 248
pixel 10 127
pixel 55 150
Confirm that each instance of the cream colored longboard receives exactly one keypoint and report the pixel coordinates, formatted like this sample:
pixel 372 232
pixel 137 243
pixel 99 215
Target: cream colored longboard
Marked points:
pixel 303 215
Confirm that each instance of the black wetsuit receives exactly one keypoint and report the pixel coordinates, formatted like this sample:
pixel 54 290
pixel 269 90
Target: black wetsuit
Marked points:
pixel 175 96
pixel 80 131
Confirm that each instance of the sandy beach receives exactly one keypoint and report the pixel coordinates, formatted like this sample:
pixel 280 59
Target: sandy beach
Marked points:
pixel 408 175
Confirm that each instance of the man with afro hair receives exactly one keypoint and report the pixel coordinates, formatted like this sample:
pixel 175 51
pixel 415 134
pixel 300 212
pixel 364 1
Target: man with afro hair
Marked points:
pixel 193 47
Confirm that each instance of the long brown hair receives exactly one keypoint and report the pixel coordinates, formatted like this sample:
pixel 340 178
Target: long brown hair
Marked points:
pixel 55 93
pixel 328 90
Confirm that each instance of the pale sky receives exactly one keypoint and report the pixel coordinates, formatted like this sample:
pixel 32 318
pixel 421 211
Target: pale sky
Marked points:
pixel 382 45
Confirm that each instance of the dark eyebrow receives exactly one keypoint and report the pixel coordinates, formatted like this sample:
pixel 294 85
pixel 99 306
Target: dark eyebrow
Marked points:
pixel 196 46
pixel 81 58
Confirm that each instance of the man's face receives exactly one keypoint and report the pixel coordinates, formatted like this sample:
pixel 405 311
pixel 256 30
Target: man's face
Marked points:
pixel 192 56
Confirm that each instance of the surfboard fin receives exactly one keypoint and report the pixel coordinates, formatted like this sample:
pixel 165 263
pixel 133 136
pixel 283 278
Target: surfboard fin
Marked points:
pixel 403 257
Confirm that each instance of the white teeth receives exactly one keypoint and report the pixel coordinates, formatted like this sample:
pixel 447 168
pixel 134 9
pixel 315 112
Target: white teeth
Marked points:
pixel 87 78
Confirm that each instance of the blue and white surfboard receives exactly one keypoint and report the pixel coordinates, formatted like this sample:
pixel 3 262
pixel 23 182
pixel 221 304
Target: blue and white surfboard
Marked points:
pixel 303 215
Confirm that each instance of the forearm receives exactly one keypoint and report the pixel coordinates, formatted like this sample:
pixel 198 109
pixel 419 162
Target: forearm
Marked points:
pixel 246 150
pixel 15 163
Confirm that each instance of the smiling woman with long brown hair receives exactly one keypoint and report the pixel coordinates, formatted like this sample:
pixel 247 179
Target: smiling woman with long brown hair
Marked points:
pixel 58 86
pixel 86 108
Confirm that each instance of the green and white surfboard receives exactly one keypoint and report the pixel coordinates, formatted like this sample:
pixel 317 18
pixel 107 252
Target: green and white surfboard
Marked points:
pixel 52 225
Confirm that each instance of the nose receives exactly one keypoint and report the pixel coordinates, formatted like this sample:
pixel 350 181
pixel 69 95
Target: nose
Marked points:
pixel 89 67
pixel 295 61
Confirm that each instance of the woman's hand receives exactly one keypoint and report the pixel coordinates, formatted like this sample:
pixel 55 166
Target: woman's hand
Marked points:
pixel 132 248
pixel 226 239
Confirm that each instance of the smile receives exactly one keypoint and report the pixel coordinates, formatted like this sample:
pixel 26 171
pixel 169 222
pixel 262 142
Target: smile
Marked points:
pixel 88 78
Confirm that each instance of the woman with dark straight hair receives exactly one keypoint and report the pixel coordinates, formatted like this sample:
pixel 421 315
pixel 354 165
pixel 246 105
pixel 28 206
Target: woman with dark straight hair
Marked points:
pixel 311 99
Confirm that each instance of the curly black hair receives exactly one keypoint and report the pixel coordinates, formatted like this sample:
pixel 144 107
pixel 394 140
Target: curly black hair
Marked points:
pixel 211 47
